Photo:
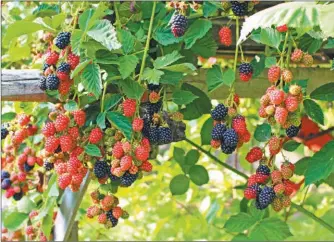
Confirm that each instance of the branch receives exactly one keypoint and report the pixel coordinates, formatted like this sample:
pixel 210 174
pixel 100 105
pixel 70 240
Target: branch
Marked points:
pixel 298 207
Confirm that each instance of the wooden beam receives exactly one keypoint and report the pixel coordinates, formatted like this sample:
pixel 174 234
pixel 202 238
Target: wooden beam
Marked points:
pixel 22 85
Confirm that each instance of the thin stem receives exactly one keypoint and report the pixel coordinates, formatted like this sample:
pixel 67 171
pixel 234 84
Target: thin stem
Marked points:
pixel 236 47
pixel 216 159
pixel 288 54
pixel 304 198
pixel 147 46
pixel 118 21
pixel 103 95
pixel 312 216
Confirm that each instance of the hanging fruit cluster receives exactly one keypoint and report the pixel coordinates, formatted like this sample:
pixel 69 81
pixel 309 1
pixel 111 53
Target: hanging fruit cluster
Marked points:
pixel 34 231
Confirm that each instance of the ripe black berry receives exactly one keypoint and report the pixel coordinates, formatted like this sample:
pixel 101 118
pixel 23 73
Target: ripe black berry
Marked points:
pixel 42 83
pixel 263 169
pixel 154 135
pixel 18 196
pixel 230 138
pixel 256 187
pixel 164 135
pixel 219 112
pixel 64 67
pixel 146 128
pixel 52 82
pixel 246 68
pixel 228 149
pixel 153 87
pixel 179 25
pixel 239 8
pixel 63 40
pixel 4 174
pixel 218 131
pixel 4 132
pixel 292 131
pixel 265 197
pixel 153 108
pixel 127 179
pixel 6 183
pixel 101 169
pixel 48 166
pixel 28 168
pixel 111 218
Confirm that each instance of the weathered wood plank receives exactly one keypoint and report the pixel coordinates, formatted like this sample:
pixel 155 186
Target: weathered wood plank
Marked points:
pixel 65 219
pixel 23 85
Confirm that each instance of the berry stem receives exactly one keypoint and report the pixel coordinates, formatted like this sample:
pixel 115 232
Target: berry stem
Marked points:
pixel 103 95
pixel 236 47
pixel 147 45
pixel 118 21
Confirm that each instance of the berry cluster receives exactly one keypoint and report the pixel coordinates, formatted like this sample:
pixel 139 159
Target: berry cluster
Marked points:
pixel 106 209
pixel 62 146
pixel 299 56
pixel 225 36
pixel 34 231
pixel 57 67
pixel 279 107
pixel 271 187
pixel 179 24
pixel 230 129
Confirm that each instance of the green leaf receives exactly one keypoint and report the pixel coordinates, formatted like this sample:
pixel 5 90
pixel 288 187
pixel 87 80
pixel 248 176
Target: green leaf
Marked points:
pixel 270 61
pixel 104 32
pixel 228 77
pixel 166 60
pixel 152 75
pixel 121 123
pixel 206 131
pixel 111 100
pixel 209 8
pixel 80 67
pixel 25 205
pixel 301 166
pixel 15 220
pixel 214 78
pixel 88 18
pixel 179 155
pixel 57 20
pixel 240 222
pixel 6 117
pixel 132 89
pixel 127 40
pixel 171 78
pixel 270 229
pixel 240 237
pixel 196 31
pixel 256 213
pixel 309 44
pixel 93 150
pixel 181 97
pixel 201 105
pixel 270 37
pixel 101 120
pixel 184 67
pixel 199 175
pixel 76 42
pixel 258 64
pixel 164 36
pixel 106 57
pixel 71 106
pixel 205 47
pixel 314 111
pixel 330 180
pixel 262 132
pixel 321 164
pixel 46 10
pixel 91 79
pixel 324 92
pixel 47 224
pixel 291 145
pixel 179 185
pixel 329 44
pixel 21 27
pixel 127 64
pixel 192 157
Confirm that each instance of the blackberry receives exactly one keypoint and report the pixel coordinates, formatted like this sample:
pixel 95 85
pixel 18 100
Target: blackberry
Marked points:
pixel 292 131
pixel 6 183
pixel 230 138
pixel 48 166
pixel 4 174
pixel 154 135
pixel 146 128
pixel 228 149
pixel 153 87
pixel 52 82
pixel 64 67
pixel 28 168
pixel 153 108
pixel 256 187
pixel 101 169
pixel 246 68
pixel 18 196
pixel 218 131
pixel 111 218
pixel 42 83
pixel 164 135
pixel 219 112
pixel 263 169
pixel 4 132
pixel 239 8
pixel 127 179
pixel 265 197
pixel 179 25
pixel 63 40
